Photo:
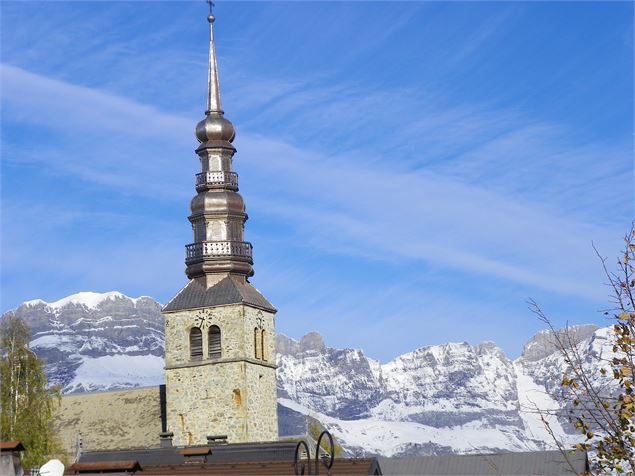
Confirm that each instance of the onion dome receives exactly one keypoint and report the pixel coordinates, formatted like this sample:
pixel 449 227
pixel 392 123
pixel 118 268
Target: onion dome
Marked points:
pixel 215 127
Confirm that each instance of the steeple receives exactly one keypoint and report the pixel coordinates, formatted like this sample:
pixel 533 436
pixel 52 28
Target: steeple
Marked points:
pixel 220 362
pixel 218 211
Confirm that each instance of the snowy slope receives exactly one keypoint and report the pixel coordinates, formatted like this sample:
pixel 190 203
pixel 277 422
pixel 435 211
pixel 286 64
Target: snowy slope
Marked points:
pixel 441 399
pixel 394 437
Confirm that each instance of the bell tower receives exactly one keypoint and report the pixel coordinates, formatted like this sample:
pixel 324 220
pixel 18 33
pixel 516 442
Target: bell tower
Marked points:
pixel 220 366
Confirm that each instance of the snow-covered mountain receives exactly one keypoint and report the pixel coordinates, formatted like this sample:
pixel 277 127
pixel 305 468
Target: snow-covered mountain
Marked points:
pixel 450 398
pixel 91 341
pixel 438 399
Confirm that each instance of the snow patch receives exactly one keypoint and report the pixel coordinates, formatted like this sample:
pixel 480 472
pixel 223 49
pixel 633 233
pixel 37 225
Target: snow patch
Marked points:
pixel 535 402
pixel 117 371
pixel 89 299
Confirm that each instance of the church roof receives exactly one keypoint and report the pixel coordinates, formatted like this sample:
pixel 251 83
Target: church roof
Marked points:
pixel 229 290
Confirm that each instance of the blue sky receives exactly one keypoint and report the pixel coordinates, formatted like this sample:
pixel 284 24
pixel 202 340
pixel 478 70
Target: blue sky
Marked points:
pixel 413 172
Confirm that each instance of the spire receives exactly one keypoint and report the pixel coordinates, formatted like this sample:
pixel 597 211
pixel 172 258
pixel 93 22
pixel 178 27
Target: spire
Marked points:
pixel 213 86
pixel 218 211
pixel 214 126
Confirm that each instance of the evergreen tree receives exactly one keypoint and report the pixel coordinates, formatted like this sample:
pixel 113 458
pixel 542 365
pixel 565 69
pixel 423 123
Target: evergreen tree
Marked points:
pixel 26 403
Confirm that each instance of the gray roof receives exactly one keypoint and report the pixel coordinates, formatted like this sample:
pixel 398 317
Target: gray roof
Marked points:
pixel 230 290
pixel 229 453
pixel 534 463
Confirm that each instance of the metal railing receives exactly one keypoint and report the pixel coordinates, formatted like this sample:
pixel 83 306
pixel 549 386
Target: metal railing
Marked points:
pixel 217 178
pixel 218 249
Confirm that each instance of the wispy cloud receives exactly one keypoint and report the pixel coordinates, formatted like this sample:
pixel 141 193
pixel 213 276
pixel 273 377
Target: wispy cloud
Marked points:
pixel 341 205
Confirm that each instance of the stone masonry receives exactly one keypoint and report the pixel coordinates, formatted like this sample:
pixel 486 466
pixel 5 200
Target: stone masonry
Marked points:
pixel 234 395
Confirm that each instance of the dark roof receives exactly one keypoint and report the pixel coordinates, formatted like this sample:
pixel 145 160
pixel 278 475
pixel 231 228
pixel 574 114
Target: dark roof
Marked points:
pixel 11 446
pixel 344 467
pixel 229 290
pixel 230 453
pixel 535 463
pixel 107 466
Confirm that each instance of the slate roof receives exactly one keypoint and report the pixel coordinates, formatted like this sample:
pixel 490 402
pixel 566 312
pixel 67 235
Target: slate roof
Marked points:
pixel 270 458
pixel 230 290
pixel 109 466
pixel 341 467
pixel 277 458
pixel 535 463
pixel 230 453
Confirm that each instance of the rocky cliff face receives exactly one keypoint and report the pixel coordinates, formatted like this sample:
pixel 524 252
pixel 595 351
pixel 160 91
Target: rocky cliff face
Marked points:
pixel 337 382
pixel 440 399
pixel 450 398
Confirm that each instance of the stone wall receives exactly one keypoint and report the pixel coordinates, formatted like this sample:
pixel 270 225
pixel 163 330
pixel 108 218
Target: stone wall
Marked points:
pixel 110 420
pixel 234 395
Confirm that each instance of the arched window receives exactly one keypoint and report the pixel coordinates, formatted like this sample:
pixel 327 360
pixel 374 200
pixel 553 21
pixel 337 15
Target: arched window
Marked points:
pixel 196 344
pixel 214 350
pixel 262 344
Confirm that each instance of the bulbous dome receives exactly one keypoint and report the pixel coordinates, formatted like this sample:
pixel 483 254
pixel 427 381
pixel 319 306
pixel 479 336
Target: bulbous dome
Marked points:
pixel 218 202
pixel 215 127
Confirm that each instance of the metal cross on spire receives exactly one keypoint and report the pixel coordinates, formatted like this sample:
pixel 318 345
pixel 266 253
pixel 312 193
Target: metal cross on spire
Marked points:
pixel 213 86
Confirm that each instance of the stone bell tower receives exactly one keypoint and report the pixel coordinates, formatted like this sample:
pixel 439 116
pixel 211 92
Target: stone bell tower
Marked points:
pixel 220 366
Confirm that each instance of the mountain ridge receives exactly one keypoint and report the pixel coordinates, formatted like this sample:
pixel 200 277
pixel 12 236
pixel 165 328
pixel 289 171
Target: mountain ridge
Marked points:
pixel 446 398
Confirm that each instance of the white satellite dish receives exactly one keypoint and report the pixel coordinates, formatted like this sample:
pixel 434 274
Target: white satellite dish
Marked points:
pixel 53 468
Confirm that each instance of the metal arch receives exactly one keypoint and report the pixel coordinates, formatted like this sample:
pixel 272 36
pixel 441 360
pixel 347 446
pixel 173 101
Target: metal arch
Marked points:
pixel 328 465
pixel 299 465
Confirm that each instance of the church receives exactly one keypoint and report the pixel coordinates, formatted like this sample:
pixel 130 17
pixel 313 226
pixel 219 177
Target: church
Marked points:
pixel 220 370
pixel 217 412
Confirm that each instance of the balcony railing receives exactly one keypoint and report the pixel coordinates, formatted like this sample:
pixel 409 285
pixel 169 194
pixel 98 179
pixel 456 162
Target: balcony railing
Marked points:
pixel 217 178
pixel 218 249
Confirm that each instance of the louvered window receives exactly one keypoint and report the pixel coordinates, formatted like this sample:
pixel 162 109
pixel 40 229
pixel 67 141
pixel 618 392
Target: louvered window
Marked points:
pixel 214 343
pixel 196 344
pixel 262 344
pixel 257 347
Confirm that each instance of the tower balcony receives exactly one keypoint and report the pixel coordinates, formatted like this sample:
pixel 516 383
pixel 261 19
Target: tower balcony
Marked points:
pixel 218 249
pixel 217 179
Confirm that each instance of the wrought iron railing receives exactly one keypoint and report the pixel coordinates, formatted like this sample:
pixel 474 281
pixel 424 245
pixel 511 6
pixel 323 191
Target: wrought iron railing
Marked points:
pixel 217 178
pixel 218 249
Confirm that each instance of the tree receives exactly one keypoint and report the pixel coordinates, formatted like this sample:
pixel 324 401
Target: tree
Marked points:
pixel 314 430
pixel 26 402
pixel 600 403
